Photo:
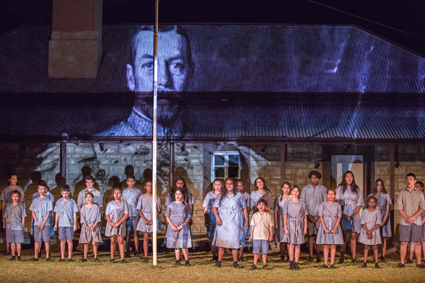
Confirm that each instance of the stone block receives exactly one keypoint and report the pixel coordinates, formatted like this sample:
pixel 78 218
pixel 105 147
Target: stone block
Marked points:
pixel 382 170
pixel 417 170
pixel 126 149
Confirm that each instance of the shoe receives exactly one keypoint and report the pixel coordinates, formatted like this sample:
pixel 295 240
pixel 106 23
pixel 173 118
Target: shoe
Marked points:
pixel 95 259
pixel 291 265
pixel 70 260
pixel 324 266
pixel 39 255
pixel 378 267
pixel 112 260
pixel 145 260
pixel 400 265
pixel 282 259
pixel 18 258
pixel 310 259
pixel 123 261
pixel 332 266
pixel 319 260
pixel 265 267
pixel 341 261
pixel 296 266
pixel 34 259
pixel 241 259
pixel 6 253
pixel 61 260
pixel 420 265
pixel 409 261
pixel 48 259
pixel 253 267
pixel 383 259
pixel 217 264
pixel 177 262
pixel 236 265
pixel 12 258
pixel 136 255
pixel 84 260
pixel 364 265
pixel 287 259
pixel 354 260
pixel 186 263
pixel 127 255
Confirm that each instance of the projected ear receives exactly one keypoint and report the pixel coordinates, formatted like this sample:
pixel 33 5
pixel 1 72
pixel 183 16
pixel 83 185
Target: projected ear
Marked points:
pixel 130 78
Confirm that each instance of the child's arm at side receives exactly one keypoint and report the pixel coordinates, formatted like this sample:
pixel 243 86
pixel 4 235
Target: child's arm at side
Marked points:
pixel 285 219
pixel 34 217
pixel 252 231
pixel 56 222
pixel 271 233
pixel 75 221
pixel 45 220
pixel 217 217
pixel 336 225
pixel 387 213
pixel 275 220
pixel 305 225
pixel 170 223
pixel 183 224
pixel 324 225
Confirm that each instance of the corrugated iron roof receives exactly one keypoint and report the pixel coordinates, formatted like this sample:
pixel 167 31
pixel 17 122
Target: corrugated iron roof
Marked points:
pixel 259 58
pixel 219 122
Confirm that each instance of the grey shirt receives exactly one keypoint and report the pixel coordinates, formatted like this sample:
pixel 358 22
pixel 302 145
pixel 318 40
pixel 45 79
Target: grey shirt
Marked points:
pixel 6 195
pixel 313 197
pixel 41 207
pixel 14 215
pixel 66 210
pixel 410 202
pixel 82 197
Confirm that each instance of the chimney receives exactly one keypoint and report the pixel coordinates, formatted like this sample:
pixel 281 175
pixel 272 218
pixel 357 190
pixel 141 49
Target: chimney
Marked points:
pixel 75 47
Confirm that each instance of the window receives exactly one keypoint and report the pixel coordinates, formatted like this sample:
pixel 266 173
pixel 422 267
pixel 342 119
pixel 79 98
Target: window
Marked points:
pixel 225 164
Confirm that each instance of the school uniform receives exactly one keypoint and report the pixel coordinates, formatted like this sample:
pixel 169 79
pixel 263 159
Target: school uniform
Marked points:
pixel 131 197
pixel 383 201
pixel 82 197
pixel 423 227
pixel 14 215
pixel 50 220
pixel 41 207
pixel 145 205
pixel 261 233
pixel 230 210
pixel 116 212
pixel 296 212
pixel 90 216
pixel 330 213
pixel 6 197
pixel 190 199
pixel 66 210
pixel 370 219
pixel 280 236
pixel 212 221
pixel 246 199
pixel 350 201
pixel 410 202
pixel 178 213
pixel 256 196
pixel 313 197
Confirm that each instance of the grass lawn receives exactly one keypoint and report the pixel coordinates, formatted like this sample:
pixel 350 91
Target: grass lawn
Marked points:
pixel 202 270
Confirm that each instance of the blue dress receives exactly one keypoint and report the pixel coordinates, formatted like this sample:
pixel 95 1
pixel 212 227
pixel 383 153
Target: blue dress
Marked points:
pixel 370 219
pixel 230 210
pixel 178 213
pixel 246 199
pixel 349 202
pixel 330 213
pixel 280 236
pixel 212 222
pixel 383 201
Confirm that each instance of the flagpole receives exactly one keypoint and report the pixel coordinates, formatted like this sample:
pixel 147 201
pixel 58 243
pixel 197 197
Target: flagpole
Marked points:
pixel 154 142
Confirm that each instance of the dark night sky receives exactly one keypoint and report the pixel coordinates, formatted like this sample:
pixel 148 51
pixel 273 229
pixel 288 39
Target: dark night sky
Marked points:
pixel 408 16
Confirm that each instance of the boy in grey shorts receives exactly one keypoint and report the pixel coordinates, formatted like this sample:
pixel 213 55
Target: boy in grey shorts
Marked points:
pixel 66 213
pixel 410 205
pixel 261 232
pixel 15 223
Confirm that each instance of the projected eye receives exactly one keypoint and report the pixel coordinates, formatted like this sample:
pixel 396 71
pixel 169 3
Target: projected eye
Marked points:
pixel 147 65
pixel 177 67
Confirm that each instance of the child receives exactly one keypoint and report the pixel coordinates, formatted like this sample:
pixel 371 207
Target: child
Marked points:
pixel 6 197
pixel 90 232
pixel 384 205
pixel 41 208
pixel 180 183
pixel 261 192
pixel 145 210
pixel 329 234
pixel 116 215
pixel 370 235
pixel 89 188
pixel 210 220
pixel 227 208
pixel 246 198
pixel 15 223
pixel 261 233
pixel 131 195
pixel 280 236
pixel 178 214
pixel 419 186
pixel 66 212
pixel 295 225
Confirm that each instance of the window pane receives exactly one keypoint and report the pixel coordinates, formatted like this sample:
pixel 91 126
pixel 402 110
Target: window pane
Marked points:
pixel 219 172
pixel 233 172
pixel 219 160
pixel 234 160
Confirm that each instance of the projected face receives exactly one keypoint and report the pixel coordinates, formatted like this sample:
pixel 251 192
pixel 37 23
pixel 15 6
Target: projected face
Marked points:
pixel 173 64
